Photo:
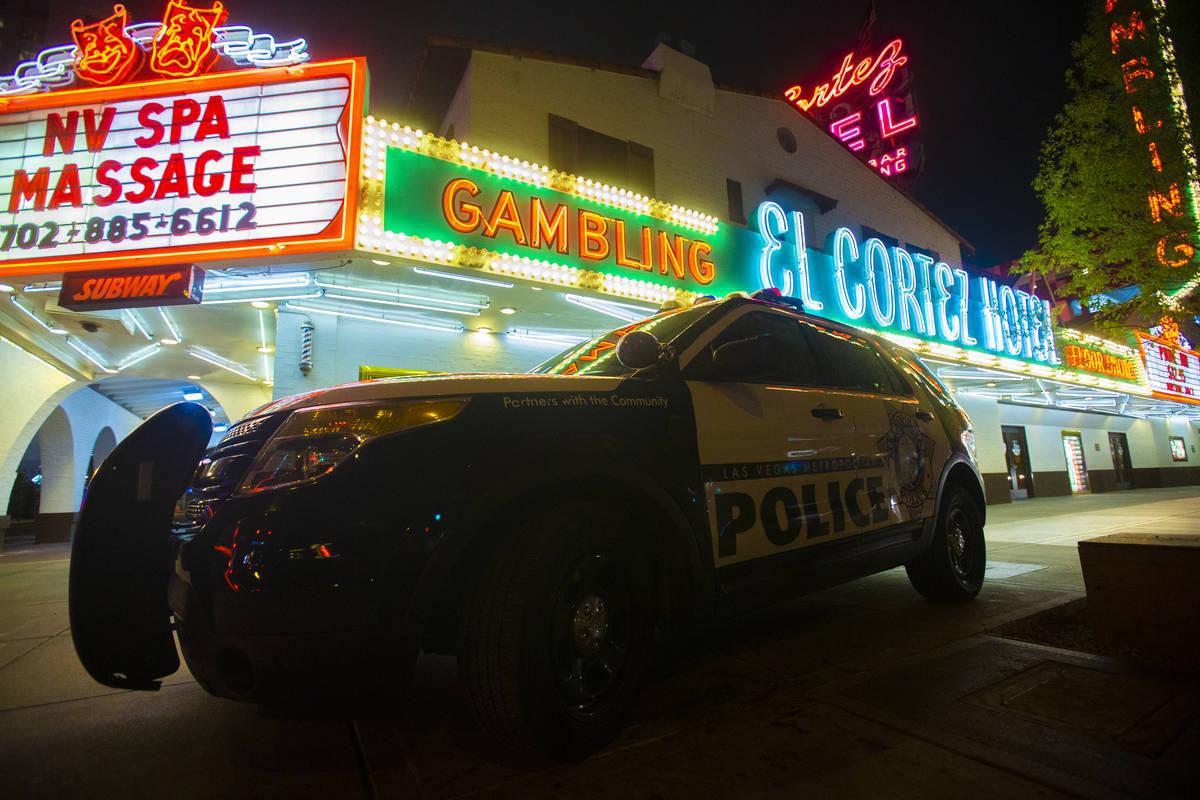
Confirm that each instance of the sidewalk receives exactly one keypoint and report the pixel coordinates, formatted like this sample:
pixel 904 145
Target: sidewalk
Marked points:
pixel 865 690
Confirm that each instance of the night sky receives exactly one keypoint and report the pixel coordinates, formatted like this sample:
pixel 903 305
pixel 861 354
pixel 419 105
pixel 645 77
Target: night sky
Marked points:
pixel 988 76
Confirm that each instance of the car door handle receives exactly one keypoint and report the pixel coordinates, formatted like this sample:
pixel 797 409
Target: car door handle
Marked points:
pixel 828 413
pixel 924 415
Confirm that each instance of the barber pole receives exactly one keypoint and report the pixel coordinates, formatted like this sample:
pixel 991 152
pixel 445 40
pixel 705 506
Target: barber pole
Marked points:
pixel 306 332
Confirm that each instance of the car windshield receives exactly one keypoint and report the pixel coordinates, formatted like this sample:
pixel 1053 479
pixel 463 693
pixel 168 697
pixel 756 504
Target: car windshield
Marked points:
pixel 599 356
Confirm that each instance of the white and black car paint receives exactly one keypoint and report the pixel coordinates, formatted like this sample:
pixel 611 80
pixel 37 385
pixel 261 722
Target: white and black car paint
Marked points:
pixel 556 530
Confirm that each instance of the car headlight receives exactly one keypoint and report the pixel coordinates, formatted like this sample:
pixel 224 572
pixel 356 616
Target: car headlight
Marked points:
pixel 968 440
pixel 312 442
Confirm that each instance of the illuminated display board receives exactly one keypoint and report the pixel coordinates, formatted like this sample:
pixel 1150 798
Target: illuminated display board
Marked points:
pixel 239 164
pixel 1173 373
pixel 444 203
pixel 1089 360
pixel 867 105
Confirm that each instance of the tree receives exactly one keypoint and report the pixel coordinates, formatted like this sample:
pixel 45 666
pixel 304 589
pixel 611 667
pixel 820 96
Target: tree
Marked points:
pixel 1115 174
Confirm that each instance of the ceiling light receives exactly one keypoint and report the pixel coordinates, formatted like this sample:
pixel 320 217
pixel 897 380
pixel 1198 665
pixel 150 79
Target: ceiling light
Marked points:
pixel 219 361
pixel 229 283
pixel 560 339
pixel 508 310
pixel 380 262
pixel 6 289
pixel 453 277
pixel 137 323
pixel 483 329
pixel 622 311
pixel 260 304
pixel 32 315
pixel 193 396
pixel 266 349
pixel 88 354
pixel 474 312
pixel 427 326
pixel 220 428
pixel 59 331
pixel 48 286
pixel 193 377
pixel 476 305
pixel 990 383
pixel 168 341
pixel 140 355
pixel 170 327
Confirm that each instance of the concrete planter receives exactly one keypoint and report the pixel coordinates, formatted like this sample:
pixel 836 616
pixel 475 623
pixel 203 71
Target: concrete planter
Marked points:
pixel 1143 592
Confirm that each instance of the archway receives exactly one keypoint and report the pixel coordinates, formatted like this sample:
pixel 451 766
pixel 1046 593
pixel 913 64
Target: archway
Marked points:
pixel 106 440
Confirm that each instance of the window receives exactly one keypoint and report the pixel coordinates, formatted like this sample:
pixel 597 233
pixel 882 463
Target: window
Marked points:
pixel 913 250
pixel 871 233
pixel 737 212
pixel 793 361
pixel 1178 448
pixel 851 362
pixel 583 151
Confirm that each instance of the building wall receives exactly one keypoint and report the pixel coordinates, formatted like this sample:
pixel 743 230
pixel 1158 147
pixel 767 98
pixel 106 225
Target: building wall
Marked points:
pixel 695 151
pixel 341 345
pixel 70 418
pixel 1148 440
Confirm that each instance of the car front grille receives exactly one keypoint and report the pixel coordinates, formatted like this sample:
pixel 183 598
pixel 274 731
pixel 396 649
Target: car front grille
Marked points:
pixel 223 468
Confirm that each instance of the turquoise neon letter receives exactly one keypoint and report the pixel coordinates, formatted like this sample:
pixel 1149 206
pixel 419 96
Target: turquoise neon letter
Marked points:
pixel 856 307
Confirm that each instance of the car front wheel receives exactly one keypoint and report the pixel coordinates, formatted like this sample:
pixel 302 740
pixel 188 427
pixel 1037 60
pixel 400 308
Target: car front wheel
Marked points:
pixel 951 570
pixel 556 638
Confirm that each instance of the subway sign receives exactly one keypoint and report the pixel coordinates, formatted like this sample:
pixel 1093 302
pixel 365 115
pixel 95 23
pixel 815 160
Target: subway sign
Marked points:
pixel 244 164
pixel 132 288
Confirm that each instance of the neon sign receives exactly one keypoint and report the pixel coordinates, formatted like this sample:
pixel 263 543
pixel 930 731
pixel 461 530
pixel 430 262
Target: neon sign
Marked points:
pixel 1165 204
pixel 872 121
pixel 183 46
pixel 104 54
pixel 1090 360
pixel 485 212
pixel 187 42
pixel 1174 373
pixel 883 67
pixel 890 289
pixel 227 165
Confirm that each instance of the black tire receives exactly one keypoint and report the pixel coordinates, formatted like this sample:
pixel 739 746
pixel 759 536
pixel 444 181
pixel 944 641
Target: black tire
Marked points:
pixel 555 640
pixel 951 570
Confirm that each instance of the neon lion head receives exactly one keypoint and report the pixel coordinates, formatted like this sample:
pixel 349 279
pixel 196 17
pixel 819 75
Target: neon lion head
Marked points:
pixel 183 46
pixel 104 54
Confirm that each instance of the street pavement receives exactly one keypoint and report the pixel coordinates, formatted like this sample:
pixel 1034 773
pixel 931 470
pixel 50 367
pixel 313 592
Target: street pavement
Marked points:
pixel 864 690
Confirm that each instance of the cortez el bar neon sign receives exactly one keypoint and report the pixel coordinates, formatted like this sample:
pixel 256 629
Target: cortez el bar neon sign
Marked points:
pixel 878 74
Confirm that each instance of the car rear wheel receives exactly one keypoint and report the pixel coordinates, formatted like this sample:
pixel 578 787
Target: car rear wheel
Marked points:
pixel 556 638
pixel 951 570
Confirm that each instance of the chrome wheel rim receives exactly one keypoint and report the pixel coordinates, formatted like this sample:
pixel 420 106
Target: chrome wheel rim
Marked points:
pixel 590 630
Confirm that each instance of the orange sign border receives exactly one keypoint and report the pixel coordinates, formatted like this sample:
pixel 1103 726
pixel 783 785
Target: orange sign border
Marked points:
pixel 338 235
pixel 1142 338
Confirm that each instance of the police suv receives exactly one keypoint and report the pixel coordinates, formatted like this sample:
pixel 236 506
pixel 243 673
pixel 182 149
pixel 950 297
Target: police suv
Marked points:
pixel 556 530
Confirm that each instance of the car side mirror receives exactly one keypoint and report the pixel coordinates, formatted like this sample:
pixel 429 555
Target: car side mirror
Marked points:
pixel 639 349
pixel 745 358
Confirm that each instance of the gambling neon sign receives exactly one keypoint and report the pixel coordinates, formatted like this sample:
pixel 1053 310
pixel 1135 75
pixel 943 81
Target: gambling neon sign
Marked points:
pixel 872 121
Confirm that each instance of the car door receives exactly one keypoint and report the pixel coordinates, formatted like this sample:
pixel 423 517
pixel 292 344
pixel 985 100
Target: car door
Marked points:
pixel 899 437
pixel 779 453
